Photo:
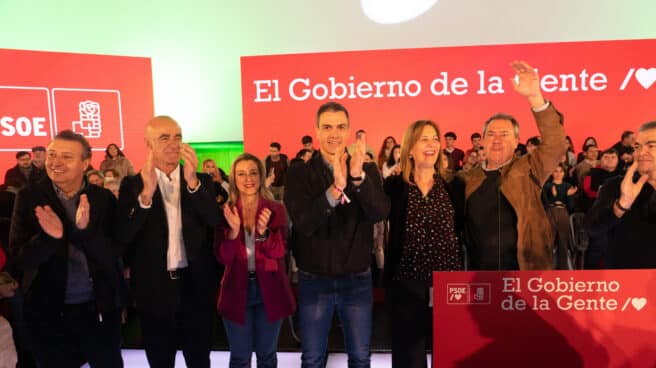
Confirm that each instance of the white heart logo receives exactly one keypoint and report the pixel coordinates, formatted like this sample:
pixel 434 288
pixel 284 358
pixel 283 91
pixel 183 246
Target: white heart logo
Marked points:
pixel 394 11
pixel 639 303
pixel 457 296
pixel 646 77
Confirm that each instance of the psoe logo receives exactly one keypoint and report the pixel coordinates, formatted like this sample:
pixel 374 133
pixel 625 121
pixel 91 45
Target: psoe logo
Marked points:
pixel 94 113
pixel 470 293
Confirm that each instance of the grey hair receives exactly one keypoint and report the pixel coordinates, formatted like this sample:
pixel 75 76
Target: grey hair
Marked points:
pixel 502 116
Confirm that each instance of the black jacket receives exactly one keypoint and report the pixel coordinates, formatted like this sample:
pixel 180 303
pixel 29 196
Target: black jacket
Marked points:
pixel 631 237
pixel 397 190
pixel 41 262
pixel 333 241
pixel 144 234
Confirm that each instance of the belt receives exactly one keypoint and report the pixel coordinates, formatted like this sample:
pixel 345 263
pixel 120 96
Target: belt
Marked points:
pixel 252 275
pixel 177 273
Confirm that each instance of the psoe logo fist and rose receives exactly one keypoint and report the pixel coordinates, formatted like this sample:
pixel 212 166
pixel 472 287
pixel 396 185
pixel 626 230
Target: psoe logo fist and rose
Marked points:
pixel 32 116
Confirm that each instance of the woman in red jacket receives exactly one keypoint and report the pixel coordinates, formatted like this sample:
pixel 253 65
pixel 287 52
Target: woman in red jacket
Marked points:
pixel 255 293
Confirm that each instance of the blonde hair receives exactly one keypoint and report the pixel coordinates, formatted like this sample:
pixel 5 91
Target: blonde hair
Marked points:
pixel 410 137
pixel 263 190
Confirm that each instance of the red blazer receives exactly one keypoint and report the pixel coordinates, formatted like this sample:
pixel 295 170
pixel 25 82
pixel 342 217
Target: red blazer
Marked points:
pixel 274 285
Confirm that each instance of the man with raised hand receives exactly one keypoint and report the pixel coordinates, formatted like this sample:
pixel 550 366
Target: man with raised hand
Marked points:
pixel 506 225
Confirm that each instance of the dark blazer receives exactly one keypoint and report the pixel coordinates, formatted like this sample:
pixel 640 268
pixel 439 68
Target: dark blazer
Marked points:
pixel 43 261
pixel 272 278
pixel 397 190
pixel 333 241
pixel 144 234
pixel 15 178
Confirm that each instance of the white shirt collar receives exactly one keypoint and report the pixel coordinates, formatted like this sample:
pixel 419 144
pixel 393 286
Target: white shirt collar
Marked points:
pixel 173 177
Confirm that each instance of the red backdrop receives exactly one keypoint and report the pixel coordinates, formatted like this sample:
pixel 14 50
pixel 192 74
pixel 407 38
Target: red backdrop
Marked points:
pixel 602 88
pixel 41 93
pixel 544 319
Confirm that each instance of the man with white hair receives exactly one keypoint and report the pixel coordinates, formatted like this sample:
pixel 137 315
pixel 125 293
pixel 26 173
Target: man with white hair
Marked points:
pixel 625 208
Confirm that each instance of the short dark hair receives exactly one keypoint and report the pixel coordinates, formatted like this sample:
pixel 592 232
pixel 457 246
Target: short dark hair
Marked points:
pixel 333 107
pixel 588 146
pixel 38 149
pixel 371 155
pixel 360 131
pixel 69 135
pixel 626 134
pixel 275 145
pixel 450 134
pixel 610 151
pixel 302 152
pixel 20 154
pixel 475 135
pixel 534 141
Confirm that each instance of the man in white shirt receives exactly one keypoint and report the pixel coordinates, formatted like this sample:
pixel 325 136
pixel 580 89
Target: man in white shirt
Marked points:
pixel 165 212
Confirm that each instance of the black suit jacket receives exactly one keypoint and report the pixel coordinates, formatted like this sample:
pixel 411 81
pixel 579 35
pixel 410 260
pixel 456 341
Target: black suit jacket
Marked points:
pixel 41 262
pixel 144 234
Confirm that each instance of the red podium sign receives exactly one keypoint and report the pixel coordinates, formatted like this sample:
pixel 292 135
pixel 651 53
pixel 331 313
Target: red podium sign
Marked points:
pixel 544 319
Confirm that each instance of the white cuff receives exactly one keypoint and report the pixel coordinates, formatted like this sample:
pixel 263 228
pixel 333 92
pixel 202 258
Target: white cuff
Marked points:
pixel 541 108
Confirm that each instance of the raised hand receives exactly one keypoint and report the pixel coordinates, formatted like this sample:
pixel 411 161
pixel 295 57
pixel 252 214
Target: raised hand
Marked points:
pixel 149 178
pixel 338 162
pixel 628 189
pixel 572 190
pixel 263 221
pixel 357 159
pixel 82 213
pixel 231 214
pixel 270 178
pixel 527 82
pixel 49 221
pixel 190 164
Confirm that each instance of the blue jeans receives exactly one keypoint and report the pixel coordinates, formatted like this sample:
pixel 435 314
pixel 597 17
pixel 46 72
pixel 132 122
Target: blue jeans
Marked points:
pixel 256 334
pixel 318 298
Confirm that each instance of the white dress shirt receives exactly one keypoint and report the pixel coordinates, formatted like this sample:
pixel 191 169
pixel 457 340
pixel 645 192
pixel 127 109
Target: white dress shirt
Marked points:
pixel 169 186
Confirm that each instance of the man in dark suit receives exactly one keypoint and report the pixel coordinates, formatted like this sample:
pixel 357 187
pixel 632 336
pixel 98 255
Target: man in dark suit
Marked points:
pixel 165 212
pixel 62 252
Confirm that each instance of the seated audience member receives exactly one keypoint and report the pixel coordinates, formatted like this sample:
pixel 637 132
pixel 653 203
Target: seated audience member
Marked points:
pixel 219 180
pixel 625 208
pixel 115 159
pixel 476 142
pixel 506 225
pixel 255 295
pixel 94 177
pixel 8 355
pixel 19 175
pixel 582 169
pixel 532 144
pixel 385 150
pixel 586 142
pixel 422 239
pixel 112 185
pixel 558 199
pixel 471 161
pixel 456 155
pixel 61 243
pixel 608 168
pixel 624 149
pixel 391 166
pixel 111 174
pixel 276 165
pixel 571 155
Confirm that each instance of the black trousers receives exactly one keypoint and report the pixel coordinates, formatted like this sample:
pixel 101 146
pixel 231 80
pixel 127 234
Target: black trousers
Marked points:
pixel 411 322
pixel 190 329
pixel 76 335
